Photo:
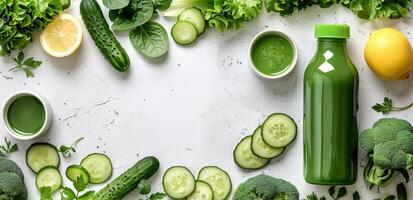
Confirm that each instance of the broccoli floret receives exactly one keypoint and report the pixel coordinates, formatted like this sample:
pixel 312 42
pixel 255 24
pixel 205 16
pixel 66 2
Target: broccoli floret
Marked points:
pixel 264 187
pixel 7 165
pixel 11 185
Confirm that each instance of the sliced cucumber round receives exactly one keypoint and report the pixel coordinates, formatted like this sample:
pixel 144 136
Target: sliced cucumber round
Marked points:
pixel 203 191
pixel 279 130
pixel 195 17
pixel 184 33
pixel 244 157
pixel 74 171
pixel 178 182
pixel 40 155
pixel 261 149
pixel 98 166
pixel 219 181
pixel 49 176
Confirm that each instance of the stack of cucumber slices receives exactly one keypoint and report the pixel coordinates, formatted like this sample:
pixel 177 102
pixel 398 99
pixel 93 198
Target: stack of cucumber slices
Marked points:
pixel 213 183
pixel 189 25
pixel 44 160
pixel 267 142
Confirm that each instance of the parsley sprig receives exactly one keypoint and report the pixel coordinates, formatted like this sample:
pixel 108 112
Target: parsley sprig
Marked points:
pixel 8 148
pixel 80 194
pixel 144 188
pixel 387 106
pixel 67 150
pixel 26 65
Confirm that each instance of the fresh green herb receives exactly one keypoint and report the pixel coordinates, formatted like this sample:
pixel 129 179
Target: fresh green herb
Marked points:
pixel 387 106
pixel 21 19
pixel 80 185
pixel 66 151
pixel 150 39
pixel 401 192
pixel 342 191
pixel 8 148
pixel 26 65
pixel 137 13
pixel 223 15
pixel 356 196
pixel 115 4
pixel 313 196
pixel 45 193
pixel 144 188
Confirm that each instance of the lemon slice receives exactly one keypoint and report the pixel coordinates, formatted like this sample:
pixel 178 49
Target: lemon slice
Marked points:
pixel 62 37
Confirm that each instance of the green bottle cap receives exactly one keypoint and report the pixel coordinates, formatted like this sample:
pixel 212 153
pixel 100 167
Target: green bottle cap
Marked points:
pixel 341 31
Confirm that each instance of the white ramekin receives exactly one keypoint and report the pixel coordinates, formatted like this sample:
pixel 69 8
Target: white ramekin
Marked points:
pixel 47 121
pixel 284 72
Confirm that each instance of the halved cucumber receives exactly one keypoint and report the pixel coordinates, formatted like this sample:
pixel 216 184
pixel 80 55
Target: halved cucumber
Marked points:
pixel 261 149
pixel 49 176
pixel 98 166
pixel 195 17
pixel 184 33
pixel 74 171
pixel 244 157
pixel 178 182
pixel 40 155
pixel 219 181
pixel 203 191
pixel 279 130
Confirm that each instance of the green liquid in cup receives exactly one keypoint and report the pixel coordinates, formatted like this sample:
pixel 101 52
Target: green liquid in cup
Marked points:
pixel 272 54
pixel 26 115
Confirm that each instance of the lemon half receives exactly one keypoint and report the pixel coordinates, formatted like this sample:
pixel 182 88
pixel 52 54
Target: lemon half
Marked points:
pixel 62 37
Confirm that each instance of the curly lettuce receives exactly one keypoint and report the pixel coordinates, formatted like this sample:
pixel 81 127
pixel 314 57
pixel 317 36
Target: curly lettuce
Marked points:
pixel 220 14
pixel 19 19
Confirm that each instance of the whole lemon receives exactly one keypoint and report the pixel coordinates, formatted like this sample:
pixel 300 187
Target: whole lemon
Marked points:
pixel 389 54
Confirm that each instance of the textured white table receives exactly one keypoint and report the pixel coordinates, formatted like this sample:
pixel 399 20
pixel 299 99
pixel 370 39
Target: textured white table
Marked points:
pixel 192 107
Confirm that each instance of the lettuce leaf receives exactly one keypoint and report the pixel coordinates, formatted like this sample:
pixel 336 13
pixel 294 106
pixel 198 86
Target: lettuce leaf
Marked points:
pixel 19 19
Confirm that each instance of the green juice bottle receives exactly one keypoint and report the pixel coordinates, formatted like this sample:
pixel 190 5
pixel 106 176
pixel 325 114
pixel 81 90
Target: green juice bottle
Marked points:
pixel 330 109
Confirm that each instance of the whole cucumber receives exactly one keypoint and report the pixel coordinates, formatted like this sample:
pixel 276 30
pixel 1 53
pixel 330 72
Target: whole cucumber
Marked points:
pixel 129 180
pixel 104 39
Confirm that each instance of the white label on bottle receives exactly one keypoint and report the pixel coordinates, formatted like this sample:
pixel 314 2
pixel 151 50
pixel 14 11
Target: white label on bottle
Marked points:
pixel 327 67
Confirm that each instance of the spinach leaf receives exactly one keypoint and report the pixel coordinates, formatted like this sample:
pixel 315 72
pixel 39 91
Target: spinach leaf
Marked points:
pixel 137 13
pixel 115 4
pixel 150 39
pixel 161 5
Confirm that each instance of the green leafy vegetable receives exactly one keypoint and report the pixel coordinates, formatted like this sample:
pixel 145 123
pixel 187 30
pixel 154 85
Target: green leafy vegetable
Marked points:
pixel 150 39
pixel 26 65
pixel 45 193
pixel 342 191
pixel 20 19
pixel 115 4
pixel 137 13
pixel 144 188
pixel 8 148
pixel 387 106
pixel 80 185
pixel 161 4
pixel 66 151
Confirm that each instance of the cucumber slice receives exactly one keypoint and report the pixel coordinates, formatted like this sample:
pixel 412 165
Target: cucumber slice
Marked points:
pixel 195 17
pixel 279 130
pixel 49 176
pixel 178 182
pixel 219 181
pixel 244 157
pixel 98 166
pixel 74 171
pixel 261 149
pixel 203 191
pixel 184 33
pixel 40 155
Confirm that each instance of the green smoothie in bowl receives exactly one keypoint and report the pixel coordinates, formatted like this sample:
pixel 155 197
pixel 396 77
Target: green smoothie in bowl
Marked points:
pixel 26 115
pixel 272 54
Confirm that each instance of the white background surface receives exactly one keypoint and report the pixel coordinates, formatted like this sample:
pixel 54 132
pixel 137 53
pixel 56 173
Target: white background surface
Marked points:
pixel 192 107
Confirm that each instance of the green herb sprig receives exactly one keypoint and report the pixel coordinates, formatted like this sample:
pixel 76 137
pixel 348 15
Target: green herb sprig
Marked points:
pixel 387 106
pixel 26 65
pixel 80 185
pixel 46 193
pixel 67 150
pixel 144 188
pixel 342 191
pixel 8 148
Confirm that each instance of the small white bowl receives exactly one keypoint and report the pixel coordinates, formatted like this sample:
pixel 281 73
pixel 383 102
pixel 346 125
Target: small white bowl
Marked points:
pixel 47 121
pixel 285 71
